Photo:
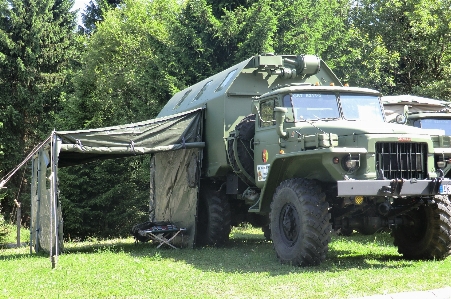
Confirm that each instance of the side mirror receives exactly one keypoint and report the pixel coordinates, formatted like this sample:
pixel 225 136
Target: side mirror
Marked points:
pixel 279 113
pixel 254 108
pixel 401 119
pixel 406 109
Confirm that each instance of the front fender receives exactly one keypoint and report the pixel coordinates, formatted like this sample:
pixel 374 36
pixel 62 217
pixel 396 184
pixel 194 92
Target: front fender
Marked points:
pixel 312 164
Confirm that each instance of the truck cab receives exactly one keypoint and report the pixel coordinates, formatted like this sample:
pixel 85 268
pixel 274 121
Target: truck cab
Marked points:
pixel 429 114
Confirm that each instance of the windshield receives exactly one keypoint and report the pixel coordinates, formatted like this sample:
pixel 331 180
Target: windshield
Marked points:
pixel 361 107
pixel 311 106
pixel 315 106
pixel 441 124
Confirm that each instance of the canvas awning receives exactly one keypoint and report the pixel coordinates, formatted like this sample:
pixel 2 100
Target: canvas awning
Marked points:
pixel 169 133
pixel 174 175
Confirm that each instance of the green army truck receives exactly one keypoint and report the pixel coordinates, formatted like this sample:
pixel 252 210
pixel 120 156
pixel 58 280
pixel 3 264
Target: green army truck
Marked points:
pixel 290 149
pixel 430 114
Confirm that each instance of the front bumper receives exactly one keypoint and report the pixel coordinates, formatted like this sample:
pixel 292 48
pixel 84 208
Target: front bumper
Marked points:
pixel 395 187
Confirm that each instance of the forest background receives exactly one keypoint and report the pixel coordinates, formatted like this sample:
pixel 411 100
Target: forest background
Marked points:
pixel 128 57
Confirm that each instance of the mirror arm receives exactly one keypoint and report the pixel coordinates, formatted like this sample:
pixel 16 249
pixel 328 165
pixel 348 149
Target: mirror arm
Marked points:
pixel 280 113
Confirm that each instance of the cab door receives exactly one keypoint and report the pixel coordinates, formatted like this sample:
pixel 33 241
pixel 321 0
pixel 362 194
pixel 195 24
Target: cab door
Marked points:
pixel 266 140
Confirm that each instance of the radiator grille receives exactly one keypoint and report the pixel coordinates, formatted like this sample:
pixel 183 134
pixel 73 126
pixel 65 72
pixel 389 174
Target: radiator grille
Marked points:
pixel 401 160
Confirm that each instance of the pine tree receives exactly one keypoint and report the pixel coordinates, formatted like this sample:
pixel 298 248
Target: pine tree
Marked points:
pixel 94 13
pixel 36 38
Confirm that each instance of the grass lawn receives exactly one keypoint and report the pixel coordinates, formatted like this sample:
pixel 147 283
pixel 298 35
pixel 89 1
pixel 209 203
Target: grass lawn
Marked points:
pixel 247 268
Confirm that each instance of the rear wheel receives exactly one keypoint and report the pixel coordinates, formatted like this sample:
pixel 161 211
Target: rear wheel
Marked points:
pixel 429 236
pixel 213 225
pixel 267 232
pixel 300 228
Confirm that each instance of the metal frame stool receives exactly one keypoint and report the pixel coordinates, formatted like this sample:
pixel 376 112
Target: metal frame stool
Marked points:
pixel 159 232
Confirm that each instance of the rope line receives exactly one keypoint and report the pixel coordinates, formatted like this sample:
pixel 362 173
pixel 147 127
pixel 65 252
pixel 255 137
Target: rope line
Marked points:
pixel 7 177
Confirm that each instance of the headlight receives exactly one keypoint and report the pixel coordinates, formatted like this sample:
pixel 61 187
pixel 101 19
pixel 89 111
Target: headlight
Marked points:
pixel 442 161
pixel 350 163
pixel 441 164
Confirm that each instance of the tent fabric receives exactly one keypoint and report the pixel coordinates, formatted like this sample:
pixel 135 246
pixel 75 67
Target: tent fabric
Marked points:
pixel 46 227
pixel 174 190
pixel 175 143
pixel 157 135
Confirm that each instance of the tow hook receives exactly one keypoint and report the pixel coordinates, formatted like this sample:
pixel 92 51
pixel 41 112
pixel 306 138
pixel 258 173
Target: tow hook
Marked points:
pixel 435 185
pixel 396 186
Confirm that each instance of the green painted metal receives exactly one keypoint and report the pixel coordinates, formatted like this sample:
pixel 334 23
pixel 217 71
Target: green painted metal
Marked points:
pixel 228 96
pixel 429 114
pixel 298 148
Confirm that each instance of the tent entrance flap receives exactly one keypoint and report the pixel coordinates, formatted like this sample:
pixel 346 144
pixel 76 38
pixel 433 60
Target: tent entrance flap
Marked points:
pixel 174 190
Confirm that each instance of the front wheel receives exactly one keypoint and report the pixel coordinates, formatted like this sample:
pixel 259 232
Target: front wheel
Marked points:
pixel 429 236
pixel 299 223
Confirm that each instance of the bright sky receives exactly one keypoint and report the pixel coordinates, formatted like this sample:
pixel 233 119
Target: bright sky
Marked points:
pixel 80 4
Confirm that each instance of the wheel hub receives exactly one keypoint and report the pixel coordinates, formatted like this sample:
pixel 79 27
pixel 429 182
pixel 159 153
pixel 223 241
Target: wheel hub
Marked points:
pixel 289 224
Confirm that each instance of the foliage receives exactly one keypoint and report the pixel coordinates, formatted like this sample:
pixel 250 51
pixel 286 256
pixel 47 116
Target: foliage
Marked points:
pixel 8 233
pixel 207 42
pixel 258 27
pixel 105 198
pixel 417 34
pixel 195 44
pixel 36 42
pixel 310 27
pixel 124 77
pixel 219 7
pixel 440 89
pixel 4 230
pixel 94 13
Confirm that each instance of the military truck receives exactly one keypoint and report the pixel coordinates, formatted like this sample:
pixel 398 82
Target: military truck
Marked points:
pixel 433 115
pixel 291 149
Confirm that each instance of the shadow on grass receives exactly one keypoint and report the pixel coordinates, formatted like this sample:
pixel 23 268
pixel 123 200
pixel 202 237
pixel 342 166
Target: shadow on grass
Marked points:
pixel 253 254
pixel 249 253
pixel 18 256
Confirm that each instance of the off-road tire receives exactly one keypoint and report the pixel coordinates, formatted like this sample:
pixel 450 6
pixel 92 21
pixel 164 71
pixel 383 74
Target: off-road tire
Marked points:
pixel 430 236
pixel 213 224
pixel 266 232
pixel 300 227
pixel 245 152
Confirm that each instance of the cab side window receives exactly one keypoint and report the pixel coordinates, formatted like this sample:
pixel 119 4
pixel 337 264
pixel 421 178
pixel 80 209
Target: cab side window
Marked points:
pixel 267 113
pixel 289 117
pixel 417 123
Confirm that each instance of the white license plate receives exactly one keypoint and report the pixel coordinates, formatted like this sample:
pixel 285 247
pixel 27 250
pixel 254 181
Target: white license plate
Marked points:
pixel 445 189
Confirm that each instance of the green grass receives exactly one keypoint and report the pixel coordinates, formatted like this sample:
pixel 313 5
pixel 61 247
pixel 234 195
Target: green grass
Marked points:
pixel 8 234
pixel 247 268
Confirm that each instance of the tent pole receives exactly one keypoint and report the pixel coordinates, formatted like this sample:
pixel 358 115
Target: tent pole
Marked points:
pixel 54 229
pixel 33 191
pixel 51 207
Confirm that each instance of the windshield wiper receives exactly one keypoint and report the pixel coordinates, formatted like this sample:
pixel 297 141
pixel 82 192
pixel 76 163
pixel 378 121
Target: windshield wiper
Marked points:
pixel 330 118
pixel 320 118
